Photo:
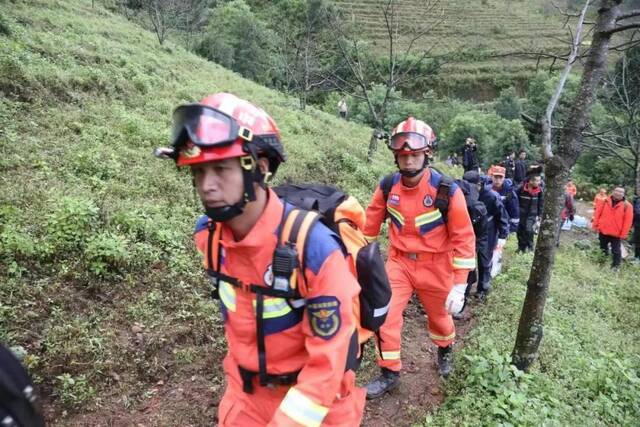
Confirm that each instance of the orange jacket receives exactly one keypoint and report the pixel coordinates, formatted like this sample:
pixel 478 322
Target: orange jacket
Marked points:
pixel 613 220
pixel 315 339
pixel 417 225
pixel 571 189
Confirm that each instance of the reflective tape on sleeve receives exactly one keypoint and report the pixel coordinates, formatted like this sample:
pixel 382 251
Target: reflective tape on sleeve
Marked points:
pixel 390 355
pixel 303 410
pixel 381 311
pixel 466 263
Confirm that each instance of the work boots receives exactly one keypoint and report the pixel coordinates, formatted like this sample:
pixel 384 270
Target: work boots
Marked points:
pixel 386 382
pixel 445 361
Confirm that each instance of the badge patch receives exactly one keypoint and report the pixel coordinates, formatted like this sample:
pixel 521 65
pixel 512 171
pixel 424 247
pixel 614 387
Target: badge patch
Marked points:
pixel 191 151
pixel 428 201
pixel 394 199
pixel 324 316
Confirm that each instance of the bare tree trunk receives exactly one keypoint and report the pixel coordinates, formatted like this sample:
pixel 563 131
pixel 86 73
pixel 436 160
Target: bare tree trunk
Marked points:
pixel 557 166
pixel 637 174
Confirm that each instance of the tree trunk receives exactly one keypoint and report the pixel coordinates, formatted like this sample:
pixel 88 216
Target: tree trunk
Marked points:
pixel 373 143
pixel 637 172
pixel 557 166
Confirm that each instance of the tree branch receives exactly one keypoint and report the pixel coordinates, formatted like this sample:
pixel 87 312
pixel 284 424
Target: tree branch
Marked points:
pixel 623 28
pixel 627 15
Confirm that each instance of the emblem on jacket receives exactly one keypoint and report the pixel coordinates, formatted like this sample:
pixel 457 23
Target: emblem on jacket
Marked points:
pixel 394 199
pixel 324 316
pixel 428 201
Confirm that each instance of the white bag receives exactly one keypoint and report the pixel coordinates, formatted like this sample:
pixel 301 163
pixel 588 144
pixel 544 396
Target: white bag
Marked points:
pixel 496 262
pixel 566 225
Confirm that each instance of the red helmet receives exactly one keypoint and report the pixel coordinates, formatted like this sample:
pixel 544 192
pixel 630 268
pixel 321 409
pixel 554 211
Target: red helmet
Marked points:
pixel 497 170
pixel 412 135
pixel 223 126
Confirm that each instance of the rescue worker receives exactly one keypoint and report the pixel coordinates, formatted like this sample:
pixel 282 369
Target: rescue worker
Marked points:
pixel 520 171
pixel 571 188
pixel 430 253
pixel 497 231
pixel 470 155
pixel 505 188
pixel 288 360
pixel 530 198
pixel 612 221
pixel 601 197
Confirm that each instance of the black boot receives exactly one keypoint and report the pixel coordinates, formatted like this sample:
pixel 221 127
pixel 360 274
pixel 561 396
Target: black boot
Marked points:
pixel 386 382
pixel 445 360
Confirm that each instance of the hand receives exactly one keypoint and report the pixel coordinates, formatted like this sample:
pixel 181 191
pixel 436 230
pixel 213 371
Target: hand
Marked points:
pixel 501 243
pixel 571 218
pixel 455 299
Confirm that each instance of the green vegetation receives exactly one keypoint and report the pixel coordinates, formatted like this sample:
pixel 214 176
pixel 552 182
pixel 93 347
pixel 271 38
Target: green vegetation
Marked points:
pixel 589 359
pixel 99 281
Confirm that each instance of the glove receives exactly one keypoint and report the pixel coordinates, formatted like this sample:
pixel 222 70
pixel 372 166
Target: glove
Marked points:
pixel 455 299
pixel 571 218
pixel 501 243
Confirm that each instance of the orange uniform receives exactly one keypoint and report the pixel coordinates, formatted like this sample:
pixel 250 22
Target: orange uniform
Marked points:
pixel 570 188
pixel 313 341
pixel 427 254
pixel 613 220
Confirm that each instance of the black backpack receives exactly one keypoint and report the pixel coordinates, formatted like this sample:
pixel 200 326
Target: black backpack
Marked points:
pixel 19 404
pixel 341 213
pixel 477 210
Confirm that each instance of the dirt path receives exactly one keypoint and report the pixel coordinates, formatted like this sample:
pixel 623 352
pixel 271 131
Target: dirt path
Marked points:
pixel 420 390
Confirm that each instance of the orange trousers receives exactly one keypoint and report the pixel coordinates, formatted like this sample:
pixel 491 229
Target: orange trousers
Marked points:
pixel 430 275
pixel 239 409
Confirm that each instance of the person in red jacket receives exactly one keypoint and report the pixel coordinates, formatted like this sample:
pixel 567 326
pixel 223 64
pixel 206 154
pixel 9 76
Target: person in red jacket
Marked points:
pixel 429 254
pixel 289 361
pixel 612 220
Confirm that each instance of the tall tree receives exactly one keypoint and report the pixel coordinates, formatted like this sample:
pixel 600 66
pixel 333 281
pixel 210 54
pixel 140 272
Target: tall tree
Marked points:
pixel 558 161
pixel 404 53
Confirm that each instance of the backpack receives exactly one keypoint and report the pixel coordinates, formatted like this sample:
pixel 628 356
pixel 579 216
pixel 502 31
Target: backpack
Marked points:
pixel 442 194
pixel 19 405
pixel 343 215
pixel 477 210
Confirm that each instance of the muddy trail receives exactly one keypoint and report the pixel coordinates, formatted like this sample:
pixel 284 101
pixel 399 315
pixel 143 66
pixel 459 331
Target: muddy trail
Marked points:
pixel 420 389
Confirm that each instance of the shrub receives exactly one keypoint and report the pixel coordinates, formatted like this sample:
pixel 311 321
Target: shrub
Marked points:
pixel 69 225
pixel 106 254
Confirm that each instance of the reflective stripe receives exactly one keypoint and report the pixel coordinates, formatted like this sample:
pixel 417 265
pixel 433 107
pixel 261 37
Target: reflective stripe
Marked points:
pixel 464 262
pixel 397 215
pixel 441 337
pixel 428 217
pixel 391 355
pixel 303 410
pixel 273 307
pixel 381 311
pixel 227 295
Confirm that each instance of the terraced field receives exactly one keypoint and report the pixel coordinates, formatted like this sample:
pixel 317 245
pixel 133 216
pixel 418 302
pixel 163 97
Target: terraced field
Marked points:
pixel 472 35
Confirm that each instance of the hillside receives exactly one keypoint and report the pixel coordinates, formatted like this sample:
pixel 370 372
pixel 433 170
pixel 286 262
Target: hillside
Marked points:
pixel 99 283
pixel 471 36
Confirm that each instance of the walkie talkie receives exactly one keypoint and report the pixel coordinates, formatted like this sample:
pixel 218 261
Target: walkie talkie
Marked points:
pixel 285 261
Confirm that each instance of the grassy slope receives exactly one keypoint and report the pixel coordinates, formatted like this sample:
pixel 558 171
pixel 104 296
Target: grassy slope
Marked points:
pixel 94 232
pixel 589 359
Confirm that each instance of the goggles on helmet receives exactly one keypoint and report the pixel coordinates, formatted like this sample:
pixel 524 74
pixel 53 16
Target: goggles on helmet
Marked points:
pixel 414 141
pixel 205 127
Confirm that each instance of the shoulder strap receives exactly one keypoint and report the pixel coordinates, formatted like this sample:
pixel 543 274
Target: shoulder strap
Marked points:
pixel 296 228
pixel 386 184
pixel 442 196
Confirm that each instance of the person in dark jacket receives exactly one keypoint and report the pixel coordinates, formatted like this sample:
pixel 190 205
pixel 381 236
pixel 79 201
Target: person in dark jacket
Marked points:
pixel 530 198
pixel 478 214
pixel 520 170
pixel 636 228
pixel 470 155
pixel 509 164
pixel 497 230
pixel 505 188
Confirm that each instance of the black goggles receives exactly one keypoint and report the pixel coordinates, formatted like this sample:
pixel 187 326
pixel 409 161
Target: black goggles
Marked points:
pixel 414 141
pixel 205 127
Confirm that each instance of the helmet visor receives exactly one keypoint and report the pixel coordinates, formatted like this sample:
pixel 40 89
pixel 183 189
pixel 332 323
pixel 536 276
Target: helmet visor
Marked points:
pixel 204 126
pixel 414 141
